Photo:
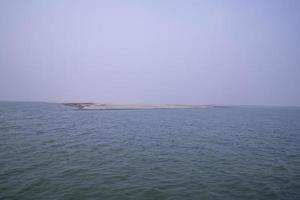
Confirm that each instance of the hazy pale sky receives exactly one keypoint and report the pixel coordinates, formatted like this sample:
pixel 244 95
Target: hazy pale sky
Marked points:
pixel 156 51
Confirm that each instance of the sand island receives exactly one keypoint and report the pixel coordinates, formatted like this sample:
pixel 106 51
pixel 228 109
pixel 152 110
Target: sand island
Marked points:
pixel 98 106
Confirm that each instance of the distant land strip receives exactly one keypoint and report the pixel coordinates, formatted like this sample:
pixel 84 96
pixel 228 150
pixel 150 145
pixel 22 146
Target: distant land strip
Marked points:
pixel 98 106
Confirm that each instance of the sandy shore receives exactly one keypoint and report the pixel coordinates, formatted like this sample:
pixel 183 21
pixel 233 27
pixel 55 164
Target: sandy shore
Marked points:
pixel 98 106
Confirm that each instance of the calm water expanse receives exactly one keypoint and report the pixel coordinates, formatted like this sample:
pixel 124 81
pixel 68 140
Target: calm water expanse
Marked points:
pixel 49 151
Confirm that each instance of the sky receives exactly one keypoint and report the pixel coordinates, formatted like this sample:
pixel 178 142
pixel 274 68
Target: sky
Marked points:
pixel 151 51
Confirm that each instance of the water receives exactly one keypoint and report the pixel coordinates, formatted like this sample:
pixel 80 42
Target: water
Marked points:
pixel 49 151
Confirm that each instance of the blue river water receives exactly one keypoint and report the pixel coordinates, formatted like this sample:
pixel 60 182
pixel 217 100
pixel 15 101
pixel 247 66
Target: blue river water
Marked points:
pixel 50 151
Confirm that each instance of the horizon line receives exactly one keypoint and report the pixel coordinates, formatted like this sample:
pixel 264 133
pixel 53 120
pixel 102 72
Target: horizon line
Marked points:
pixel 204 104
